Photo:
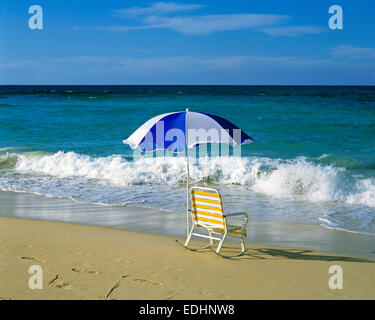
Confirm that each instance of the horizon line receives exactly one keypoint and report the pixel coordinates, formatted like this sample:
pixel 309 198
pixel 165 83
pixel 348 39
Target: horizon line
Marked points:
pixel 197 85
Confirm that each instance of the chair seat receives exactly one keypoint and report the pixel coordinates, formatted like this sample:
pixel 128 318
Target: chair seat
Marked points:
pixel 230 228
pixel 233 229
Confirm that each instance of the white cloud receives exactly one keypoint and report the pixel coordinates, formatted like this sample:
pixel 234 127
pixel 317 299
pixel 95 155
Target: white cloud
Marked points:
pixel 168 15
pixel 82 59
pixel 293 31
pixel 119 28
pixel 18 64
pixel 157 16
pixel 202 25
pixel 179 63
pixel 356 53
pixel 188 70
pixel 197 25
pixel 157 8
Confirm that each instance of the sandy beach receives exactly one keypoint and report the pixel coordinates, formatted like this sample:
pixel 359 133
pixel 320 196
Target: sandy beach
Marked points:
pixel 92 262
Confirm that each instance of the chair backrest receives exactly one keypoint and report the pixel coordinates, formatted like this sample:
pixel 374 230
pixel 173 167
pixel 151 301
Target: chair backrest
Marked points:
pixel 207 207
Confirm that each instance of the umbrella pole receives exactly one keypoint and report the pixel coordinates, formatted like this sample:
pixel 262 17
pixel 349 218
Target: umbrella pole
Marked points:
pixel 187 191
pixel 187 176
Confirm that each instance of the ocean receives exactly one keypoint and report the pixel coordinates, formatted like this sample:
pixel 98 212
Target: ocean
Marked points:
pixel 313 160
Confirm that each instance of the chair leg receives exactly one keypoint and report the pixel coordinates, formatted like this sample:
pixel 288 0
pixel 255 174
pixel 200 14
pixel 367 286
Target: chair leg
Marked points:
pixel 243 245
pixel 221 243
pixel 211 240
pixel 188 238
pixel 186 245
pixel 233 256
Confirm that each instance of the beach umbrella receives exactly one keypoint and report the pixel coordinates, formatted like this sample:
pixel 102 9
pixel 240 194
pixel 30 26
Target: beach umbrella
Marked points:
pixel 179 131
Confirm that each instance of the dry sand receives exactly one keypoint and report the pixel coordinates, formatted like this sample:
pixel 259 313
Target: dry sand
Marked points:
pixel 91 262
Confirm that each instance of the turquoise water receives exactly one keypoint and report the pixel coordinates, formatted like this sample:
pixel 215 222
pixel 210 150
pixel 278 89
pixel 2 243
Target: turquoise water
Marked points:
pixel 313 161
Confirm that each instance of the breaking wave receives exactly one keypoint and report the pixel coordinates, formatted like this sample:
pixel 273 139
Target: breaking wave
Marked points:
pixel 298 178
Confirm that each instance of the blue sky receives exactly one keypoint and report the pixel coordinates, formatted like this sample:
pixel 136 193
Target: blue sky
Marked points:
pixel 187 42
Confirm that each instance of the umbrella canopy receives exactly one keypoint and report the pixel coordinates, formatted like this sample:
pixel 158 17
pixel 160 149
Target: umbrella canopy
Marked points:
pixel 178 131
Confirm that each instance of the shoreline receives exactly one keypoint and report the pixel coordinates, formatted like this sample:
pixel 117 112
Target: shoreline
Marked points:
pixel 87 262
pixel 154 221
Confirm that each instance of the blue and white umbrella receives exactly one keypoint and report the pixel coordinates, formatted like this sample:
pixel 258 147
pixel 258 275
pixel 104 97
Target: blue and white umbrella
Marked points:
pixel 179 131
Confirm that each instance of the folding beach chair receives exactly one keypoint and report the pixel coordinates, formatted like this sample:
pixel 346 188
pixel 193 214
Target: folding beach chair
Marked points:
pixel 207 213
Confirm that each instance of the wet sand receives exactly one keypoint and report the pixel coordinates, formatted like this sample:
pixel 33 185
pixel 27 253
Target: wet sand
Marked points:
pixel 312 237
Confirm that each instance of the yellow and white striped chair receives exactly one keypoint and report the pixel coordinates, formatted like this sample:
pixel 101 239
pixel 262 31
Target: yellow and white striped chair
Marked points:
pixel 207 212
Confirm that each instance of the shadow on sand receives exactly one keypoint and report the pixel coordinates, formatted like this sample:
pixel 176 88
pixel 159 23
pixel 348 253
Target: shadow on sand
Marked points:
pixel 279 254
pixel 296 254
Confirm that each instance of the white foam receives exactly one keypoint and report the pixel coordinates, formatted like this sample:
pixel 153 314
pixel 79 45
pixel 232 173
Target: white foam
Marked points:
pixel 303 179
pixel 296 178
pixel 365 194
pixel 112 169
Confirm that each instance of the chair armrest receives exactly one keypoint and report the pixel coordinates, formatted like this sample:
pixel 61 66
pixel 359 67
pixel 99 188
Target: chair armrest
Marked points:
pixel 235 214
